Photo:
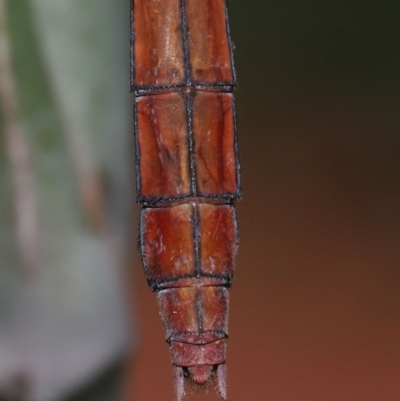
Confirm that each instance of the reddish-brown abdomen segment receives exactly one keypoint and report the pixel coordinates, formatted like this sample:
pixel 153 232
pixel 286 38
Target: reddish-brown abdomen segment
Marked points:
pixel 186 146
pixel 180 42
pixel 187 176
pixel 190 242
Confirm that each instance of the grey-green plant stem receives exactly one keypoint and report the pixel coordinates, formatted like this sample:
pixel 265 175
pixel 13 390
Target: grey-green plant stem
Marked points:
pixel 24 192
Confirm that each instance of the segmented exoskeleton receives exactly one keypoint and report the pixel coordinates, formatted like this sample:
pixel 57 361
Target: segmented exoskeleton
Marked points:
pixel 187 175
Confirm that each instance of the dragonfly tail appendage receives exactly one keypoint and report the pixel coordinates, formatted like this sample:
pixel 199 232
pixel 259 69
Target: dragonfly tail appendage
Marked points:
pixel 200 376
pixel 179 383
pixel 222 373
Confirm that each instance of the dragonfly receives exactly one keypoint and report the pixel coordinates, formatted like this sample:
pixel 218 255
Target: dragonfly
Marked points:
pixel 188 176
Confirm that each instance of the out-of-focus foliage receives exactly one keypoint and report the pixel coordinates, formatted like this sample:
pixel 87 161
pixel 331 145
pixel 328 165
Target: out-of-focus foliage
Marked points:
pixel 65 324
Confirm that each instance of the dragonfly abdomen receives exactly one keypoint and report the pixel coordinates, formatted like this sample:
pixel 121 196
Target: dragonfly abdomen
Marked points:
pixel 187 175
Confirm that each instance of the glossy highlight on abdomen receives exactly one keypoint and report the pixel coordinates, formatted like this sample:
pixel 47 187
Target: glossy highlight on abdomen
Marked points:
pixel 158 44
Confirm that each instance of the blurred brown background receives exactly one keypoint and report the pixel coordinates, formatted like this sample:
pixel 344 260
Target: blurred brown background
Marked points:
pixel 315 303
